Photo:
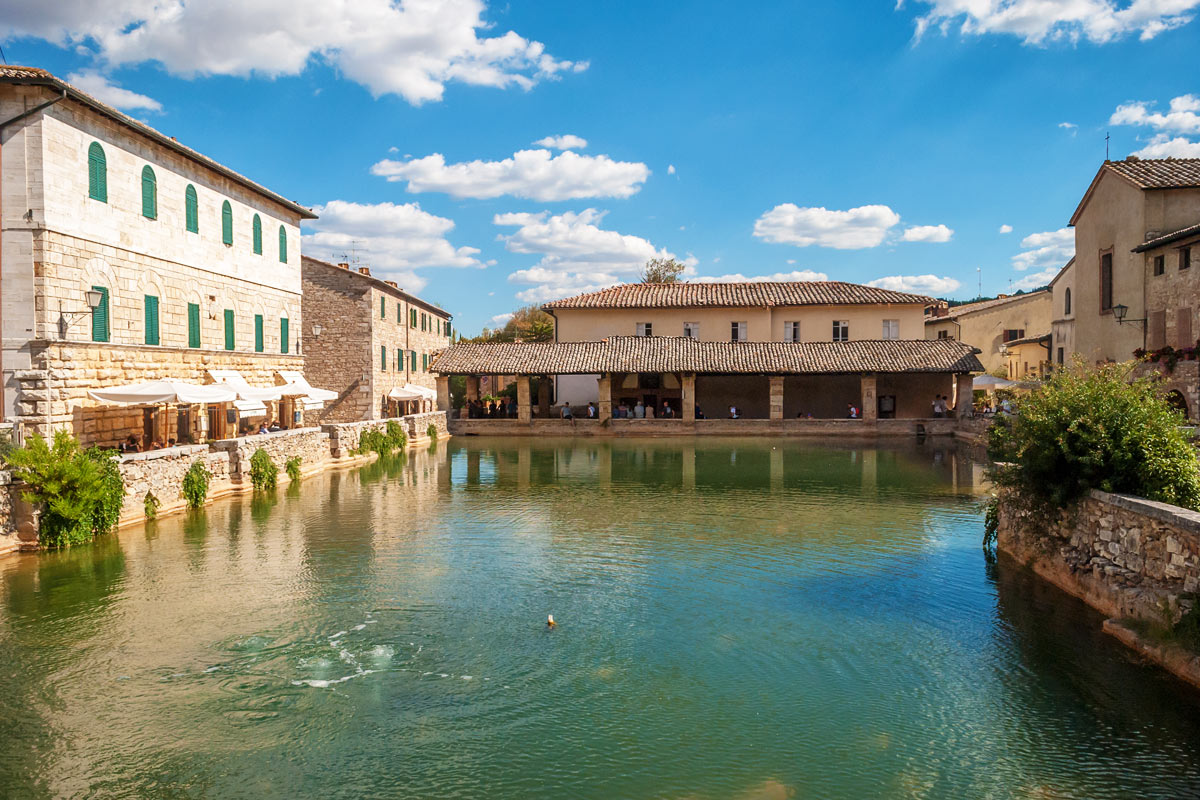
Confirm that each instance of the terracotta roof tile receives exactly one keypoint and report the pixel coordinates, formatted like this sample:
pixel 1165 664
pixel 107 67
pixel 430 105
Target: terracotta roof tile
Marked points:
pixel 1168 238
pixel 680 354
pixel 983 305
pixel 1159 173
pixel 725 295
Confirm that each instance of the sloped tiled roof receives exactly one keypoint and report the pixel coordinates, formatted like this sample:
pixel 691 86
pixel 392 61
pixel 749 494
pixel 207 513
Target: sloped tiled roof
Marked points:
pixel 983 305
pixel 681 354
pixel 1168 238
pixel 726 295
pixel 1159 173
pixel 40 77
pixel 378 283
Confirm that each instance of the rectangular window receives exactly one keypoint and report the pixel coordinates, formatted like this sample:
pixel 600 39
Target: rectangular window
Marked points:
pixel 791 331
pixel 229 329
pixel 424 322
pixel 1012 334
pixel 258 333
pixel 100 324
pixel 1061 354
pixel 383 357
pixel 943 334
pixel 1183 328
pixel 383 308
pixel 1185 257
pixel 737 332
pixel 412 361
pixel 841 330
pixel 412 318
pixel 151 307
pixel 1156 334
pixel 283 335
pixel 399 313
pixel 891 329
pixel 645 329
pixel 1160 265
pixel 399 360
pixel 193 324
pixel 424 362
pixel 1106 282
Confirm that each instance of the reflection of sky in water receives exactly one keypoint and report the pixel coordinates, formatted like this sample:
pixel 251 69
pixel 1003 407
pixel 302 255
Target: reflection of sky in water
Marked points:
pixel 737 619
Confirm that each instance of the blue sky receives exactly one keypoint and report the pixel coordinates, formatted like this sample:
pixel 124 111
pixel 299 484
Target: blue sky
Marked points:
pixel 858 141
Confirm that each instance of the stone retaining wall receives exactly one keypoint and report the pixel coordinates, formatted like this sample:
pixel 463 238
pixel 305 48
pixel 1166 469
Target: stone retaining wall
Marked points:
pixel 418 425
pixel 344 437
pixel 1126 556
pixel 705 427
pixel 310 444
pixel 162 471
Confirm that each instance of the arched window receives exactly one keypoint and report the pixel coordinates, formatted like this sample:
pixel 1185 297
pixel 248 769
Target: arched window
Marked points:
pixel 282 245
pixel 191 209
pixel 227 223
pixel 257 235
pixel 1067 302
pixel 97 173
pixel 149 193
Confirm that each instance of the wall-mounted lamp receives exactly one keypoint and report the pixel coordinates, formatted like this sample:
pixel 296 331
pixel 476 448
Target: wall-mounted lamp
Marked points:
pixel 1119 313
pixel 93 299
pixel 316 329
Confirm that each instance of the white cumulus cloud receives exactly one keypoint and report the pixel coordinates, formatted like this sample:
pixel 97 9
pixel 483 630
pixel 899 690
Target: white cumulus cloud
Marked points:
pixel 778 277
pixel 921 284
pixel 1050 249
pixel 533 174
pixel 1180 118
pixel 412 48
pixel 1037 22
pixel 104 90
pixel 1163 146
pixel 670 169
pixel 567 141
pixel 927 233
pixel 857 228
pixel 1036 280
pixel 577 255
pixel 392 239
pixel 501 319
pixel 1006 229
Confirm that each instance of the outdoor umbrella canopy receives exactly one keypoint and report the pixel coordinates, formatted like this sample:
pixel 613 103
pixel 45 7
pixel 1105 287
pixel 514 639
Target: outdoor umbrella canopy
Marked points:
pixel 404 394
pixel 297 386
pixel 164 391
pixel 423 391
pixel 989 382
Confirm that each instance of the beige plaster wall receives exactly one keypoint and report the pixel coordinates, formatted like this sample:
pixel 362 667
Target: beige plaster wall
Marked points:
pixel 984 329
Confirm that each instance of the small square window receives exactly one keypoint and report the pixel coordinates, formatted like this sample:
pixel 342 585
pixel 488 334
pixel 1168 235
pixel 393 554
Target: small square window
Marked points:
pixel 691 330
pixel 943 334
pixel 1185 258
pixel 1160 265
pixel 791 331
pixel 737 332
pixel 841 330
pixel 891 329
pixel 645 329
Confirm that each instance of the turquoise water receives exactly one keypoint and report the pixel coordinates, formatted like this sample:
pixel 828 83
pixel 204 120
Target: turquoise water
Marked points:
pixel 737 619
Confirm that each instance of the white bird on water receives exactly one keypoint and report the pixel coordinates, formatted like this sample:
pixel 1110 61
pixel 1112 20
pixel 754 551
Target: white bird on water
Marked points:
pixel 550 621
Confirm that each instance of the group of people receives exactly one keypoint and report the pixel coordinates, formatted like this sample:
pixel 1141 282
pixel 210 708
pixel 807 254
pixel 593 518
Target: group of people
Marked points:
pixel 270 426
pixel 134 445
pixel 502 408
pixel 941 406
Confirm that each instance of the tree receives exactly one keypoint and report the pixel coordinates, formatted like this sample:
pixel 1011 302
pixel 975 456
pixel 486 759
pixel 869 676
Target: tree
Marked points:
pixel 529 324
pixel 662 270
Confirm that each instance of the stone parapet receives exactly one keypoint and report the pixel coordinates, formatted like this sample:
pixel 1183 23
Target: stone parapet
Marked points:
pixel 161 472
pixel 704 427
pixel 311 445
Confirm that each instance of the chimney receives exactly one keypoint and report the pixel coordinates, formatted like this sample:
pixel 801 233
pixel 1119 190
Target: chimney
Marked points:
pixel 392 284
pixel 1132 158
pixel 364 271
pixel 1001 296
pixel 344 264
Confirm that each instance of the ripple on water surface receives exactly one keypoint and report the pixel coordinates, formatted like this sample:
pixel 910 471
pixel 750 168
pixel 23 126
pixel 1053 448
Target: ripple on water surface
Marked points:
pixel 736 620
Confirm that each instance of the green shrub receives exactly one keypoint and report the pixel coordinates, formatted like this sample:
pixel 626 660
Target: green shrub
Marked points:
pixel 1095 428
pixel 292 467
pixel 396 436
pixel 80 491
pixel 264 473
pixel 195 484
pixel 432 432
pixel 151 503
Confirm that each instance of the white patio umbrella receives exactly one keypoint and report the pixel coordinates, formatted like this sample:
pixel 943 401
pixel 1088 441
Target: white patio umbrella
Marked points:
pixel 164 391
pixel 990 383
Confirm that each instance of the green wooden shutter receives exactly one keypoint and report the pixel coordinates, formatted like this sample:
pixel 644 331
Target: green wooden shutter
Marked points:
pixel 193 324
pixel 424 362
pixel 399 360
pixel 383 308
pixel 383 357
pixel 227 223
pixel 282 245
pixel 97 173
pixel 412 317
pixel 399 313
pixel 283 334
pixel 192 209
pixel 100 316
pixel 229 329
pixel 151 306
pixel 258 333
pixel 149 193
pixel 412 360
pixel 257 235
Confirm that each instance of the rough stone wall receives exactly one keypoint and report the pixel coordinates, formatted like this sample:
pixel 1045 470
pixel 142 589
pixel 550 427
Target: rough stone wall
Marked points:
pixel 344 437
pixel 310 444
pixel 8 527
pixel 1185 379
pixel 417 425
pixel 67 370
pixel 340 356
pixel 1172 298
pixel 1127 556
pixel 705 427
pixel 162 471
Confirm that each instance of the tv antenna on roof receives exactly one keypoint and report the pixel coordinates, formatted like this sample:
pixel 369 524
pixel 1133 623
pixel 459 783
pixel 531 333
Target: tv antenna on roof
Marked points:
pixel 979 273
pixel 1106 138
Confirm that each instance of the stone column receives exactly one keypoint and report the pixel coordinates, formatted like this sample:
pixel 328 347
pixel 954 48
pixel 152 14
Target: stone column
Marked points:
pixel 443 392
pixel 472 388
pixel 544 396
pixel 964 396
pixel 523 409
pixel 777 397
pixel 870 408
pixel 688 382
pixel 604 397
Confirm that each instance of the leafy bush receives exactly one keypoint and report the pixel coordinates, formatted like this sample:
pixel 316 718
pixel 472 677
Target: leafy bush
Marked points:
pixel 1088 428
pixel 80 491
pixel 396 436
pixel 292 467
pixel 432 432
pixel 382 442
pixel 264 473
pixel 195 484
pixel 151 503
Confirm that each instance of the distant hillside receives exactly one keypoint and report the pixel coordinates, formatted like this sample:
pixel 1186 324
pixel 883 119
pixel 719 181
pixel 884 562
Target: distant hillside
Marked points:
pixel 953 303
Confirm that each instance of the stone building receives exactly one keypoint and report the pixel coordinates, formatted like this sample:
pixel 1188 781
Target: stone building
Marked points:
pixel 810 311
pixel 1062 322
pixel 128 257
pixel 370 341
pixel 990 325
